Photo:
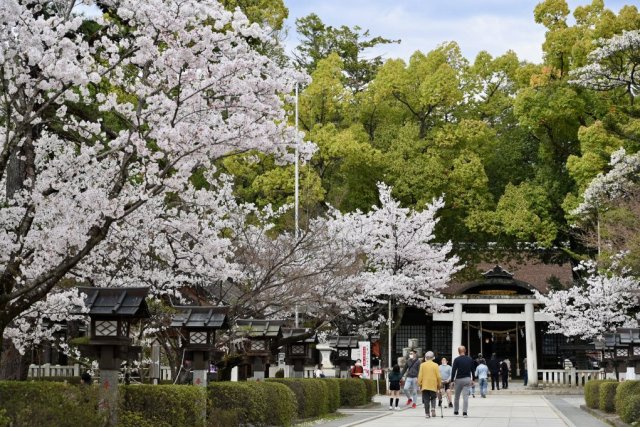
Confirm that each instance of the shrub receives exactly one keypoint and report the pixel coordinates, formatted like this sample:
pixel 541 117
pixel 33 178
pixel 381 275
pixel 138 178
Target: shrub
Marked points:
pixel 311 394
pixel 371 389
pixel 238 403
pixel 69 380
pixel 353 392
pixel 608 396
pixel 50 404
pixel 333 386
pixel 626 389
pixel 279 373
pixel 592 393
pixel 163 405
pixel 630 409
pixel 281 404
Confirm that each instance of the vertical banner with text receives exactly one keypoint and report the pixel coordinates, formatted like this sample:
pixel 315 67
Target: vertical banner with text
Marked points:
pixel 365 356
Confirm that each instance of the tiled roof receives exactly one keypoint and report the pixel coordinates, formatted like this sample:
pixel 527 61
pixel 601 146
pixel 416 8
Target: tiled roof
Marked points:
pixel 200 317
pixel 289 332
pixel 260 327
pixel 531 271
pixel 343 341
pixel 127 302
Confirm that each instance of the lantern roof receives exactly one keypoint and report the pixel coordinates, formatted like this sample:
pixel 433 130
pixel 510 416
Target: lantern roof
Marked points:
pixel 290 332
pixel 201 317
pixel 344 341
pixel 260 328
pixel 123 302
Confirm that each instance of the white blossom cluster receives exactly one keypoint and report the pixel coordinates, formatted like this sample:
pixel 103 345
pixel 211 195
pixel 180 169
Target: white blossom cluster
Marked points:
pixel 402 260
pixel 109 200
pixel 603 302
pixel 613 64
pixel 616 183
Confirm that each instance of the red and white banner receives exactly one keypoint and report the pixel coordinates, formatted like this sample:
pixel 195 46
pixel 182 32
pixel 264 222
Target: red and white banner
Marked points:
pixel 365 356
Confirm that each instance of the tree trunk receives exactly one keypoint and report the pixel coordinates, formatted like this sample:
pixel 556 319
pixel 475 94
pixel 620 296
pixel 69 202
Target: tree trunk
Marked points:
pixel 13 365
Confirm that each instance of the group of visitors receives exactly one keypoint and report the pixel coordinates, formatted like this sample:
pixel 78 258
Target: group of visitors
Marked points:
pixel 436 382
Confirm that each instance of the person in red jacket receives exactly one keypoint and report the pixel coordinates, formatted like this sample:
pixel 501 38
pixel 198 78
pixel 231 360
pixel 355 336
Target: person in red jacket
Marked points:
pixel 357 370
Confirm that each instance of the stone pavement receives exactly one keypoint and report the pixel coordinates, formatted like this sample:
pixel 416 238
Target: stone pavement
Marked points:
pixel 494 411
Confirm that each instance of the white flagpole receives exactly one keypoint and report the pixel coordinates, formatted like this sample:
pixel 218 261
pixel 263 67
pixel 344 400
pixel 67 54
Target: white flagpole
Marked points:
pixel 297 191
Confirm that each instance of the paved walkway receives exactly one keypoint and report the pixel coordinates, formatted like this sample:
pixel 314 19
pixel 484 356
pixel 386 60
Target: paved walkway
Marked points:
pixel 494 411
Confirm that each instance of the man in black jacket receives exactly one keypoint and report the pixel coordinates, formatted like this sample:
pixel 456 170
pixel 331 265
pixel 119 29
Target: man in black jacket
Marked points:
pixel 462 375
pixel 494 368
pixel 504 372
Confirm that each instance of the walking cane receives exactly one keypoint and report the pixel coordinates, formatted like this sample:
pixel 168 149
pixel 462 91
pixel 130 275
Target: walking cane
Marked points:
pixel 442 395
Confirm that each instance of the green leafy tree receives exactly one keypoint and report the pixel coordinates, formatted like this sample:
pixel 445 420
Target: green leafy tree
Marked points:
pixel 318 41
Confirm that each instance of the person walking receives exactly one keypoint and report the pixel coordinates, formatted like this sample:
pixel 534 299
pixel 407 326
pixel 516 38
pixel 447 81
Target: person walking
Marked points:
pixel 394 386
pixel 462 376
pixel 429 380
pixel 524 374
pixel 504 373
pixel 472 389
pixel 494 368
pixel 318 373
pixel 410 372
pixel 445 374
pixel 482 374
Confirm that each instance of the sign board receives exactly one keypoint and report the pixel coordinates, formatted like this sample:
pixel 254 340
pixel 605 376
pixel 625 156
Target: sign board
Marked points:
pixel 364 348
pixel 377 371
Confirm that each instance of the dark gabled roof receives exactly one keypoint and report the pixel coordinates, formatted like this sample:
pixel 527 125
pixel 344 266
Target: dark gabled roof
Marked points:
pixel 200 317
pixel 290 332
pixel 126 302
pixel 344 341
pixel 260 328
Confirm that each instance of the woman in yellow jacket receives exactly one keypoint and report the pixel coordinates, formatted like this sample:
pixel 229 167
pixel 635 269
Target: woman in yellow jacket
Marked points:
pixel 429 382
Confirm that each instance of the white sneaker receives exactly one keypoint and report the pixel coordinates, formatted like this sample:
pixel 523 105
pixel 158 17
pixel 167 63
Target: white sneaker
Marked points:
pixel 391 408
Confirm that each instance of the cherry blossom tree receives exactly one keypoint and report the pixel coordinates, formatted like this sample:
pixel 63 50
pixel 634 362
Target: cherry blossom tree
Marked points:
pixel 614 64
pixel 603 302
pixel 104 120
pixel 403 261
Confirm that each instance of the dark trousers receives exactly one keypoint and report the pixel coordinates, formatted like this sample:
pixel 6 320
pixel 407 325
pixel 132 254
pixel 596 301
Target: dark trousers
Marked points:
pixel 526 379
pixel 495 380
pixel 505 380
pixel 428 399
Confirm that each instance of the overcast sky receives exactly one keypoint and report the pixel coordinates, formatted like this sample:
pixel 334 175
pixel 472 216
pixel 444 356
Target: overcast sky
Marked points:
pixel 492 25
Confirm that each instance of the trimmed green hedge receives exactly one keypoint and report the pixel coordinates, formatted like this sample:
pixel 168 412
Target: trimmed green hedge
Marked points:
pixel 46 403
pixel 353 392
pixel 630 409
pixel 281 404
pixel 626 389
pixel 235 403
pixel 608 396
pixel 592 393
pixel 70 380
pixel 255 403
pixel 371 389
pixel 162 405
pixel 312 395
pixel 333 385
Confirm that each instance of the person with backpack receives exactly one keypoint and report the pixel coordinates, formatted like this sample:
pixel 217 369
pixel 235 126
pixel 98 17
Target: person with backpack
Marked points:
pixel 410 372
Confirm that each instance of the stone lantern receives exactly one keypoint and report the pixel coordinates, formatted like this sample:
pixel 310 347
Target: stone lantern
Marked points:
pixel 198 325
pixel 255 338
pixel 343 346
pixel 111 313
pixel 299 353
pixel 630 338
